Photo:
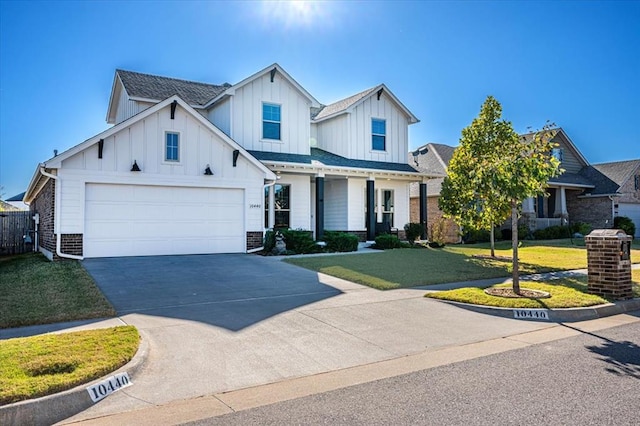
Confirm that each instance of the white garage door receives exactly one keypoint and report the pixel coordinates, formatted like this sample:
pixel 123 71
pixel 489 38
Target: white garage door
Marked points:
pixel 134 220
pixel 632 211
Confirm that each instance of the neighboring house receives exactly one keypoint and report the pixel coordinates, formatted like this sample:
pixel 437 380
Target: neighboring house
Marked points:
pixel 17 202
pixel 6 207
pixel 434 158
pixel 199 168
pixel 593 194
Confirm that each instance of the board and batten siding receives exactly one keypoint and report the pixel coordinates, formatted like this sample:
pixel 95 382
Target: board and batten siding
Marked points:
pixel 220 116
pixel 349 135
pixel 299 202
pixel 143 142
pixel 336 200
pixel 128 108
pixel 246 111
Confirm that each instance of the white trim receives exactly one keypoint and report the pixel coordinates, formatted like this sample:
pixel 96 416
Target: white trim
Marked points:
pixel 231 91
pixel 166 161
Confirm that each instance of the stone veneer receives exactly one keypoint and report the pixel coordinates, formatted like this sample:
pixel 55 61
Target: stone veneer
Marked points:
pixel 609 271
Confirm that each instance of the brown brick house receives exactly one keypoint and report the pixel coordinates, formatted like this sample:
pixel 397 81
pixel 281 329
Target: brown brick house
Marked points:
pixel 593 194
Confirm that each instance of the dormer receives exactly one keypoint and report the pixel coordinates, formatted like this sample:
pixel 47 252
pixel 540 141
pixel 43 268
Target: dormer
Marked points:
pixel 133 92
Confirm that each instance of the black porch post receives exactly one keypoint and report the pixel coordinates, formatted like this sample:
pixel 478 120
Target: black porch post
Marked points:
pixel 319 207
pixel 423 211
pixel 371 211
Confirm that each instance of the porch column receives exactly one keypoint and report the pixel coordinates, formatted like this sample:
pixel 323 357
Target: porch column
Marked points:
pixel 527 206
pixel 561 203
pixel 371 210
pixel 423 211
pixel 319 207
pixel 272 207
pixel 529 214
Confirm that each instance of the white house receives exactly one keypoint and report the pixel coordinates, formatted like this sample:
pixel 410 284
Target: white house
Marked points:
pixel 199 168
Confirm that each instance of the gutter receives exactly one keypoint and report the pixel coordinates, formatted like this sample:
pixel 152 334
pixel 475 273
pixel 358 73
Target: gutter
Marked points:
pixel 56 219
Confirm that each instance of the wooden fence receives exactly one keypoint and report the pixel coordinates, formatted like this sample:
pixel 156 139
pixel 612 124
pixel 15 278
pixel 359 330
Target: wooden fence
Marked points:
pixel 13 227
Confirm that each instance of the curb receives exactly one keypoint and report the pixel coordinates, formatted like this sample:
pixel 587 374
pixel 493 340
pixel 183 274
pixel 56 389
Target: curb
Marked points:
pixel 556 315
pixel 53 408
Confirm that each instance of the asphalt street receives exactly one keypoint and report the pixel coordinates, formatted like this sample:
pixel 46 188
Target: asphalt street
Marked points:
pixel 591 379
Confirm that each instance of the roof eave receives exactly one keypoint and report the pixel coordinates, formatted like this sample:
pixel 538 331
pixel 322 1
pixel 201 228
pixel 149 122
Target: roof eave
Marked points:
pixel 355 170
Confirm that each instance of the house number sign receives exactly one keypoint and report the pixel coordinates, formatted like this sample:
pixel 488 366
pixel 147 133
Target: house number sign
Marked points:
pixel 255 206
pixel 108 386
pixel 531 314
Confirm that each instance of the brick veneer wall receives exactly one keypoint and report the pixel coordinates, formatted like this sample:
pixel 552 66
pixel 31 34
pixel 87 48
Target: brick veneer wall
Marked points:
pixel 43 204
pixel 254 239
pixel 452 231
pixel 596 211
pixel 71 244
pixel 609 276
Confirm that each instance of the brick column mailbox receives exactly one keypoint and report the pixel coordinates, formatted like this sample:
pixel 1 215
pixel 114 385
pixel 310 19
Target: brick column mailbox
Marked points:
pixel 609 260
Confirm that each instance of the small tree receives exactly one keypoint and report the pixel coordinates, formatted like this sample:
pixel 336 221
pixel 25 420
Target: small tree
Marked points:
pixel 493 170
pixel 469 192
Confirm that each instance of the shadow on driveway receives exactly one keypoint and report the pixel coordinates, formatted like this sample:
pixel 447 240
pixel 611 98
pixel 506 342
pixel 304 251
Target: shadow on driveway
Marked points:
pixel 232 291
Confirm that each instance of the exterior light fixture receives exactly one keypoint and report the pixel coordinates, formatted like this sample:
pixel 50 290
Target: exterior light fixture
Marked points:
pixel 135 167
pixel 208 171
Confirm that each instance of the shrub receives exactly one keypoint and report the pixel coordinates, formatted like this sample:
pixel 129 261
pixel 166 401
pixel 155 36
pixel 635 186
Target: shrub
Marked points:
pixel 412 231
pixel 437 233
pixel 300 241
pixel 626 224
pixel 269 240
pixel 481 236
pixel 340 241
pixel 523 233
pixel 581 228
pixel 387 241
pixel 552 233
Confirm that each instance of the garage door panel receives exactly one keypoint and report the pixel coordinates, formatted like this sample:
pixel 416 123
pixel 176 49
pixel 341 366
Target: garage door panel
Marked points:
pixel 632 211
pixel 128 220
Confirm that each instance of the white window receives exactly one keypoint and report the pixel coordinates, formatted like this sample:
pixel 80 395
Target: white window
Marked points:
pixel 271 121
pixel 172 147
pixel 378 134
pixel 557 153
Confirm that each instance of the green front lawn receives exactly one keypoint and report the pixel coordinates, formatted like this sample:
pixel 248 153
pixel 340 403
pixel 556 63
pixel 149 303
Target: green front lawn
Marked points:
pixel 36 291
pixel 31 367
pixel 417 267
pixel 565 293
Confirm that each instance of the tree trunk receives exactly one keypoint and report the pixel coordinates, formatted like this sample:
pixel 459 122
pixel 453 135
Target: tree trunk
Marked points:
pixel 493 241
pixel 514 245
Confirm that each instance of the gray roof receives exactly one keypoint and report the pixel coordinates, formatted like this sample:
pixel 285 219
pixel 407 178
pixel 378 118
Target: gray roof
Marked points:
pixel 427 158
pixel 572 179
pixel 620 171
pixel 341 105
pixel 330 159
pixel 156 87
pixel 17 197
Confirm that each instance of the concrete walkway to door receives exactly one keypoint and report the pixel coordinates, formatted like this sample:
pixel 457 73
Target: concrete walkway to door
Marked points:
pixel 218 323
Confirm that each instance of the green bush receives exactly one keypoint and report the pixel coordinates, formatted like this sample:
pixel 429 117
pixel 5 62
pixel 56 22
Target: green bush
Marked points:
pixel 269 240
pixel 412 231
pixel 581 228
pixel 473 236
pixel 626 224
pixel 340 241
pixel 387 241
pixel 300 241
pixel 552 233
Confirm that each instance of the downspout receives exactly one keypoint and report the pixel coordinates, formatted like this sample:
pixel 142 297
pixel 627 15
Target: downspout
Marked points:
pixel 265 186
pixel 56 219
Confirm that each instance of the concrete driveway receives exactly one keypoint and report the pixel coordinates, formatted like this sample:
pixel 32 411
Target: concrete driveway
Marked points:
pixel 217 323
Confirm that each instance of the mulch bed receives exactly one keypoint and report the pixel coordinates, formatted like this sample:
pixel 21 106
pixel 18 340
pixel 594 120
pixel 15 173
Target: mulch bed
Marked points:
pixel 524 293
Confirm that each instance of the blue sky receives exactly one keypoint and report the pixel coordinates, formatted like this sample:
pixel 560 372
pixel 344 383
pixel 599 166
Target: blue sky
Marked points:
pixel 574 63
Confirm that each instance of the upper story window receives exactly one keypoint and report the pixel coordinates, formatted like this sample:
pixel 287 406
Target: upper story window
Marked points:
pixel 172 146
pixel 557 153
pixel 271 121
pixel 378 134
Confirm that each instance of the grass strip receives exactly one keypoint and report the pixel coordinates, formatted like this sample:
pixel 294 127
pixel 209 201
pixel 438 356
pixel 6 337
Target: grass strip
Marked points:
pixel 36 291
pixel 32 367
pixel 565 293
